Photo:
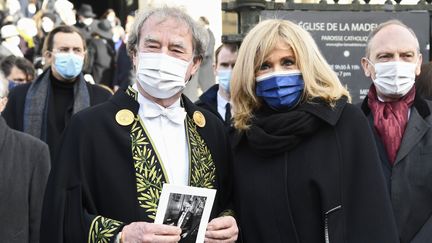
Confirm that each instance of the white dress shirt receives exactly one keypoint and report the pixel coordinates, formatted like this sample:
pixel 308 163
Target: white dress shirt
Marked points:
pixel 168 138
pixel 221 105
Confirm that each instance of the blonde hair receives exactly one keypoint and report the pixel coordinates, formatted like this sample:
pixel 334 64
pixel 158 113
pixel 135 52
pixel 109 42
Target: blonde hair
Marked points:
pixel 320 80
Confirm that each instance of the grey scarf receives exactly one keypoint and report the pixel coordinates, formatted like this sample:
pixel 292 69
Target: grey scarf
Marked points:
pixel 36 103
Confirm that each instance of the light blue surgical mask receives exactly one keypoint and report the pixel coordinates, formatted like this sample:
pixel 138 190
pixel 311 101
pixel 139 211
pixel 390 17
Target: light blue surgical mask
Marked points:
pixel 224 77
pixel 280 90
pixel 68 65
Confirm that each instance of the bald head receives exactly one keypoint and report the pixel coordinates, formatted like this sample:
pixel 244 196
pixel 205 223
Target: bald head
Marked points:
pixel 388 32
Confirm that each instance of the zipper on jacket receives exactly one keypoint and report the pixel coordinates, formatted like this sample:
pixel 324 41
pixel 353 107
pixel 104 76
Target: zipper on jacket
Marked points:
pixel 326 228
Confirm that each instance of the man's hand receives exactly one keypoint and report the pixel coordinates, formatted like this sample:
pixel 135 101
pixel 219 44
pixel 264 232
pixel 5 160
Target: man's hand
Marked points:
pixel 222 229
pixel 143 232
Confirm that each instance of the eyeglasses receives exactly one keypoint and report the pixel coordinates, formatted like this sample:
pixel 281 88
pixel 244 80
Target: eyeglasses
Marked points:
pixel 77 51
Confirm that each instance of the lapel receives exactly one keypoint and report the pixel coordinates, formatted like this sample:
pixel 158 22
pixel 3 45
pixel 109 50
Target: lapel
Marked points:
pixel 202 170
pixel 416 128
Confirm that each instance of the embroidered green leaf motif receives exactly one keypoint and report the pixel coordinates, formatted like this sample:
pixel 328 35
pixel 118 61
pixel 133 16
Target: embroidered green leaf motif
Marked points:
pixel 148 172
pixel 103 229
pixel 203 171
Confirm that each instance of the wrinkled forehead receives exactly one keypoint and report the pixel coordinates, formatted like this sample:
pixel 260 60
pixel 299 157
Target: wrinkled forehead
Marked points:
pixel 393 38
pixel 156 27
pixel 158 20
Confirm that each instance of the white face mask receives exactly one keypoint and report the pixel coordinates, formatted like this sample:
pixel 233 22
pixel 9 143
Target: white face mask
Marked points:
pixel 47 24
pixel 160 75
pixel 87 21
pixel 14 40
pixel 394 79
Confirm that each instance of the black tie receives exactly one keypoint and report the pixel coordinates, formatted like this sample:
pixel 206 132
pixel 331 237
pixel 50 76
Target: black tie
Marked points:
pixel 228 113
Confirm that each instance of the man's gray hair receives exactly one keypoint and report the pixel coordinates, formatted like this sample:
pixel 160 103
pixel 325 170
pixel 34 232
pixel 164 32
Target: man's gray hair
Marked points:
pixel 4 86
pixel 384 24
pixel 200 37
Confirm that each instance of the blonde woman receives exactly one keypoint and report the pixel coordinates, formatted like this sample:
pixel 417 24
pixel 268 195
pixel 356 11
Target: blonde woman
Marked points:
pixel 306 169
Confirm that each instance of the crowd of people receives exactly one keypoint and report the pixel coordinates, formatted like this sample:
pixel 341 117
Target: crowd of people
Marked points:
pixel 23 35
pixel 87 141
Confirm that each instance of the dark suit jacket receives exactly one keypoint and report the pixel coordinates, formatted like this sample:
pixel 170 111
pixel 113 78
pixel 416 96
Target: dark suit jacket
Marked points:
pixel 24 169
pixel 208 101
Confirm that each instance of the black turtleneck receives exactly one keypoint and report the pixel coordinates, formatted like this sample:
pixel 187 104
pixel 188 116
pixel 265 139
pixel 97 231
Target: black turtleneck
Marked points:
pixel 60 108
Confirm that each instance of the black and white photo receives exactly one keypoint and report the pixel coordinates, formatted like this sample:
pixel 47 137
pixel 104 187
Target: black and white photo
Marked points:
pixel 186 207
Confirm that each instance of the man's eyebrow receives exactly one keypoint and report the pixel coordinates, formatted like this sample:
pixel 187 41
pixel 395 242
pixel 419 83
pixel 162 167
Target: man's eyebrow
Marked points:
pixel 408 52
pixel 178 44
pixel 384 53
pixel 150 39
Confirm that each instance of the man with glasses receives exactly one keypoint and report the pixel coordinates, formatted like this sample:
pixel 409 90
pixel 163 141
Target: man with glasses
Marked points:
pixel 44 107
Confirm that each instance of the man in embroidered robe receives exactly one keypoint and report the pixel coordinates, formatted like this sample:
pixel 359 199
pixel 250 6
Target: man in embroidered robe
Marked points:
pixel 115 157
pixel 44 107
pixel 402 122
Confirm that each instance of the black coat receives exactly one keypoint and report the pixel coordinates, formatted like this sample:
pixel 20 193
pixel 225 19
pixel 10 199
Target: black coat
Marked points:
pixel 329 188
pixel 208 100
pixel 101 61
pixel 124 71
pixel 94 176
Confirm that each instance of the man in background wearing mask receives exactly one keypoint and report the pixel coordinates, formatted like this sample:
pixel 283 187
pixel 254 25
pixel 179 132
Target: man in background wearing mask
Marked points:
pixel 44 107
pixel 86 21
pixel 216 99
pixel 115 157
pixel 402 122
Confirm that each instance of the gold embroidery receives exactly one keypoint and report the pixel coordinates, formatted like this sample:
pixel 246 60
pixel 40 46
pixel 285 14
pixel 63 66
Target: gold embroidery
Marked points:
pixel 150 172
pixel 228 212
pixel 203 170
pixel 103 229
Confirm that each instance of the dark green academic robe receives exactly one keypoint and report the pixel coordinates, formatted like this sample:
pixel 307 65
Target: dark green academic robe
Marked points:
pixel 107 174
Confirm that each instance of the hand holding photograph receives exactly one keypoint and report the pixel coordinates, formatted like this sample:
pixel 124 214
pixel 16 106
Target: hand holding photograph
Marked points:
pixel 188 208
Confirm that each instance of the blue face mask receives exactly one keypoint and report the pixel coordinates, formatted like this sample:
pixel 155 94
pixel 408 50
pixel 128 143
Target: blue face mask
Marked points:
pixel 280 90
pixel 12 84
pixel 224 77
pixel 68 65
